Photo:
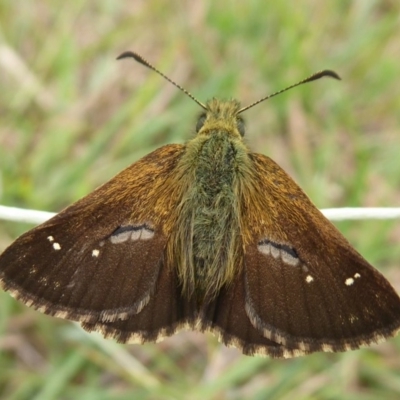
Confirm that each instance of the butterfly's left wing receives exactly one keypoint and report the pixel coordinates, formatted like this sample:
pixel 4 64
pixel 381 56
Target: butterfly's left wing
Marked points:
pixel 101 259
pixel 305 286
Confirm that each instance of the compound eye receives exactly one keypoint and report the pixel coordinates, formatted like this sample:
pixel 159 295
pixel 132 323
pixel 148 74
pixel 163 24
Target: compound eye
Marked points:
pixel 200 122
pixel 240 125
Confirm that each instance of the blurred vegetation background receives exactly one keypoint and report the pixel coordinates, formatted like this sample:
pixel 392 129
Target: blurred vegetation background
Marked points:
pixel 71 117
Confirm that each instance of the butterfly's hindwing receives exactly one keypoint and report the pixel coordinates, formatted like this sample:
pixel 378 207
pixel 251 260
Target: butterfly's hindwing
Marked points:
pixel 226 317
pixel 166 313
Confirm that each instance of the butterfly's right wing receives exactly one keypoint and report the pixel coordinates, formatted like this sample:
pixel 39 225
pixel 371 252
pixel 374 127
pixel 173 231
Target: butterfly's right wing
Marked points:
pixel 102 260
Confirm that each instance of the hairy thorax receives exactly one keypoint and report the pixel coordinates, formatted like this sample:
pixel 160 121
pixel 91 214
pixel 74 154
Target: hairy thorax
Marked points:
pixel 206 246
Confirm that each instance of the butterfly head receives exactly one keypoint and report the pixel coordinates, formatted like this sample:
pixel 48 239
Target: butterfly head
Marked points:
pixel 221 116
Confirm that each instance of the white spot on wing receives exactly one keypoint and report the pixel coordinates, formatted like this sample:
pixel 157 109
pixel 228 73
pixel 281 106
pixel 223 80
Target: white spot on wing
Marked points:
pixel 275 252
pixel 121 237
pixel 357 275
pixel 146 234
pixel 264 248
pixel 289 259
pixel 56 246
pixel 95 252
pixel 285 253
pixel 309 279
pixel 50 238
pixel 134 233
pixel 349 281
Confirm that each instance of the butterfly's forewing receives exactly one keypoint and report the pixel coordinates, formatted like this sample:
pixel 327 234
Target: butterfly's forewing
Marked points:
pixel 100 259
pixel 305 286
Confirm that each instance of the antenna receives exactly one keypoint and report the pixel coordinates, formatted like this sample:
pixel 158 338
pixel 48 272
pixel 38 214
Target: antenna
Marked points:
pixel 311 78
pixel 141 60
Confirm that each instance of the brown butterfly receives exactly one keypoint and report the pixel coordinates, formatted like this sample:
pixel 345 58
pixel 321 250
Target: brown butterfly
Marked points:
pixel 208 236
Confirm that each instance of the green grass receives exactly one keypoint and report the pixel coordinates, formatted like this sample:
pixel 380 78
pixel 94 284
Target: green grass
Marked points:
pixel 71 117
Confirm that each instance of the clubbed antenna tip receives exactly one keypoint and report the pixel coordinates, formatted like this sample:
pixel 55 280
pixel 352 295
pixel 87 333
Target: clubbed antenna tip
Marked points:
pixel 313 77
pixel 131 54
pixel 321 74
pixel 141 60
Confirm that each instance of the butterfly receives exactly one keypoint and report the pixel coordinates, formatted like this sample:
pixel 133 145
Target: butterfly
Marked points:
pixel 208 236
